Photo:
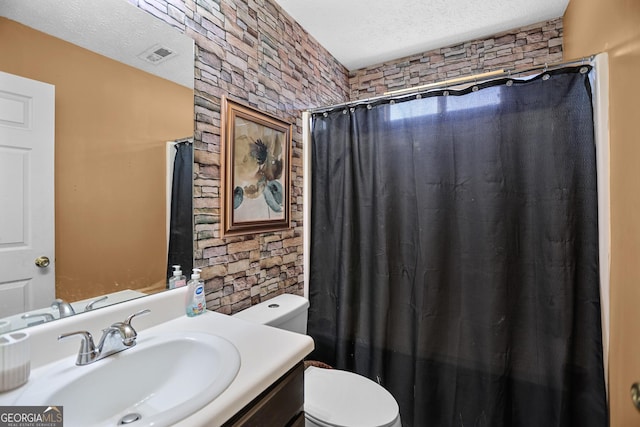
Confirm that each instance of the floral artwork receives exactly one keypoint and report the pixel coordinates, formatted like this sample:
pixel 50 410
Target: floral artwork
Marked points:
pixel 256 171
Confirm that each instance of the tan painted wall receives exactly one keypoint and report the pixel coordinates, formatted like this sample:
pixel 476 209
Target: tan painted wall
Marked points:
pixel 593 26
pixel 112 122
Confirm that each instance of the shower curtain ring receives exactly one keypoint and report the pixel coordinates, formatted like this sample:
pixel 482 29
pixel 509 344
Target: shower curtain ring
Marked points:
pixel 475 85
pixel 509 80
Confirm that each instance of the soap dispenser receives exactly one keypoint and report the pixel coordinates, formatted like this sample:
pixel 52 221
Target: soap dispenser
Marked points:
pixel 178 279
pixel 195 303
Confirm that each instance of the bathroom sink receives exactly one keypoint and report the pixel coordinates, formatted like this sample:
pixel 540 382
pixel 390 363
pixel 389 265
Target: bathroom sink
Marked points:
pixel 163 379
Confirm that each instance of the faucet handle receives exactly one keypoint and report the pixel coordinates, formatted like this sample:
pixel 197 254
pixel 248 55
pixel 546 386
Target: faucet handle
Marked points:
pixel 125 329
pixel 89 306
pixel 87 350
pixel 139 313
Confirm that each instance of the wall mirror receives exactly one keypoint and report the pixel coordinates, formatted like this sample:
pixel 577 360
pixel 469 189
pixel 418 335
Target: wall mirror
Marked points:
pixel 123 102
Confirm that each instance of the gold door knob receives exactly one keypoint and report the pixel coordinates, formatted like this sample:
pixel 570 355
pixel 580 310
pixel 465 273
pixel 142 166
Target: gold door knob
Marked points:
pixel 635 395
pixel 42 261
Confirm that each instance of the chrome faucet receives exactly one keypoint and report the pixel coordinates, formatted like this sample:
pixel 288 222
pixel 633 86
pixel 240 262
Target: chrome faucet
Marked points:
pixel 44 317
pixel 47 317
pixel 63 307
pixel 116 338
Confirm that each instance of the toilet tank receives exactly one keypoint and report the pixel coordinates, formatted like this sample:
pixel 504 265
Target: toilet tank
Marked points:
pixel 286 311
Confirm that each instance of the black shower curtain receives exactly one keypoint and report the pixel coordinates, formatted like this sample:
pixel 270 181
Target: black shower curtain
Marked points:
pixel 181 222
pixel 454 252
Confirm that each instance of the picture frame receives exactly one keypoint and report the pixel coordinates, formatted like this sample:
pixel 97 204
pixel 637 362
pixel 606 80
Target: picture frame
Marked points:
pixel 255 170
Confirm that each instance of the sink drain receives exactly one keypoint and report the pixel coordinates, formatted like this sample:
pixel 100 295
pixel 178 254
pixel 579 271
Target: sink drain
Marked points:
pixel 129 418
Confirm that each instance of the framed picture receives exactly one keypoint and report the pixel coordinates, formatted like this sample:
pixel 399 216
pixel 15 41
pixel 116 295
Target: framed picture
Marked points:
pixel 256 170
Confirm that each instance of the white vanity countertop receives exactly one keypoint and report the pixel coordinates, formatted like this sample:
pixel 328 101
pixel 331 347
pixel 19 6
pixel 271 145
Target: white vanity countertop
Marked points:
pixel 266 353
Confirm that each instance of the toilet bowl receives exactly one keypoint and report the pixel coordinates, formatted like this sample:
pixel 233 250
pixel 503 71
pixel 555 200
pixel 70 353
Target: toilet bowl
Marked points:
pixel 333 397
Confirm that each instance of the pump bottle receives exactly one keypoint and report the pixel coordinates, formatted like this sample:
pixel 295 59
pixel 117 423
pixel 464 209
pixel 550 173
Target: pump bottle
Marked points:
pixel 178 279
pixel 195 303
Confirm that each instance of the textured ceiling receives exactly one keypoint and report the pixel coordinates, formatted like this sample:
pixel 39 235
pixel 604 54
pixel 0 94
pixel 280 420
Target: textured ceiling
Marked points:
pixel 112 28
pixel 360 33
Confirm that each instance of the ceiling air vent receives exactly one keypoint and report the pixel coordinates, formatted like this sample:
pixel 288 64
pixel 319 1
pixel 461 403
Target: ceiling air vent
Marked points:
pixel 157 54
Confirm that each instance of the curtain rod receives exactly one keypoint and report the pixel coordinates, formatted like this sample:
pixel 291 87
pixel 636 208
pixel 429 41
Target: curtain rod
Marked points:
pixel 183 140
pixel 476 78
pixel 457 80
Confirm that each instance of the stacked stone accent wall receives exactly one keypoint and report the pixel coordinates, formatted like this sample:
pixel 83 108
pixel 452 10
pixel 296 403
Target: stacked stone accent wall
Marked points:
pixel 252 52
pixel 521 48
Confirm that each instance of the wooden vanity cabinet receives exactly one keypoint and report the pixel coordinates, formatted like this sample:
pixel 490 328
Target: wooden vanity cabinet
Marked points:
pixel 281 405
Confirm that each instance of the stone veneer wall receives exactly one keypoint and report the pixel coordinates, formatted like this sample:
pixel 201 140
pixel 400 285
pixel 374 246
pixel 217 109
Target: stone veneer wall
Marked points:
pixel 523 47
pixel 252 52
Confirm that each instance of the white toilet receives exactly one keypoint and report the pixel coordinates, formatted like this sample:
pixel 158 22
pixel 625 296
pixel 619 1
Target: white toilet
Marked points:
pixel 333 398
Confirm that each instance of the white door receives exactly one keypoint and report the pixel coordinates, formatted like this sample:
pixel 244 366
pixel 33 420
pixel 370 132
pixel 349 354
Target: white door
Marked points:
pixel 26 194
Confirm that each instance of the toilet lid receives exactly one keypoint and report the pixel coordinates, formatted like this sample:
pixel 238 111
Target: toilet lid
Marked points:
pixel 344 399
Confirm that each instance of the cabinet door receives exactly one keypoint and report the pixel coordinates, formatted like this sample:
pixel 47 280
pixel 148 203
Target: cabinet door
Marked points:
pixel 299 421
pixel 281 405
